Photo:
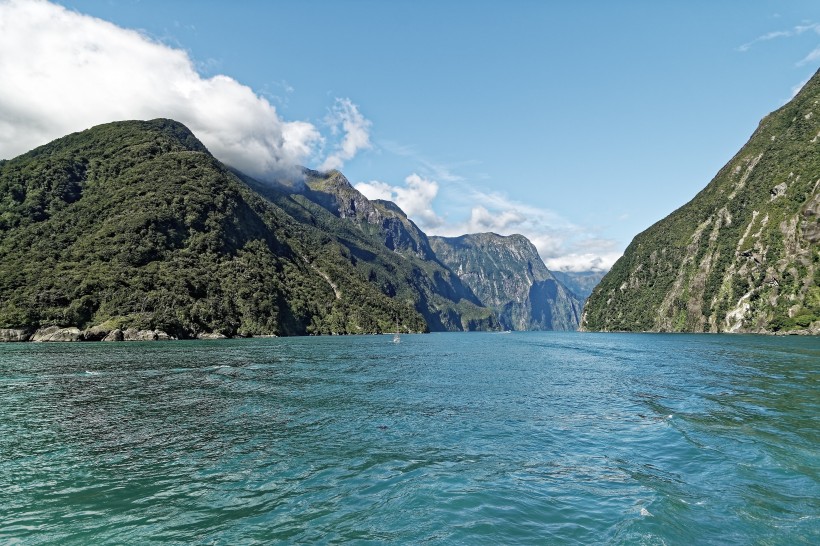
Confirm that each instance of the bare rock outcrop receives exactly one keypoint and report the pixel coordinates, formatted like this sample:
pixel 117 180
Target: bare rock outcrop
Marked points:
pixel 56 333
pixel 14 334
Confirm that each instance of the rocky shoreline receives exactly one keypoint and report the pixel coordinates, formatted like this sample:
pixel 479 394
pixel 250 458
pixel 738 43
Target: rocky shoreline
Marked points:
pixel 73 334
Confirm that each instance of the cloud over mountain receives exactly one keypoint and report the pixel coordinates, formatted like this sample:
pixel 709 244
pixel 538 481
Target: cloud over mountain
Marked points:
pixel 562 245
pixel 415 198
pixel 64 72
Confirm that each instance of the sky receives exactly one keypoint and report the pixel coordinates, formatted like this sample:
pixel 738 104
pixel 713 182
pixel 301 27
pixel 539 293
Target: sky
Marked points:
pixel 576 123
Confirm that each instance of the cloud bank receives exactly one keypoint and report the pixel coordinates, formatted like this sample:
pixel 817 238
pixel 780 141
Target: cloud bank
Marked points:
pixel 63 72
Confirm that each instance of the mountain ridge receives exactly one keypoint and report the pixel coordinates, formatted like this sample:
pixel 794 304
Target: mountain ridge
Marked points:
pixel 135 224
pixel 140 228
pixel 134 230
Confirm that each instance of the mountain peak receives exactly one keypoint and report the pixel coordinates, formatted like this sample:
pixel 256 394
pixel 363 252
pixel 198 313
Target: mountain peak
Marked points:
pixel 157 136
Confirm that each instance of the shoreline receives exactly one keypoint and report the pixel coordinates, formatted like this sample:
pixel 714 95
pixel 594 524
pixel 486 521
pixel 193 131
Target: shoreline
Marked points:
pixel 71 334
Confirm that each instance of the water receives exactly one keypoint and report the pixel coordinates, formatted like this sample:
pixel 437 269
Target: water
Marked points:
pixel 526 438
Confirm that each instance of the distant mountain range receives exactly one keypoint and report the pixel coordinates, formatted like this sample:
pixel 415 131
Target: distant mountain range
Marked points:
pixel 507 275
pixel 133 230
pixel 743 255
pixel 581 283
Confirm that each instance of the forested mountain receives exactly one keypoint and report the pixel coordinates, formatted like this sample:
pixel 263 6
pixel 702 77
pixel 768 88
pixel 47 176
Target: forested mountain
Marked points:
pixel 136 225
pixel 507 275
pixel 743 255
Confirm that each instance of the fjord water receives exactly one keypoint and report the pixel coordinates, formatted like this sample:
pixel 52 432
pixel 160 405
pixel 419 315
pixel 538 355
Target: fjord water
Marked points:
pixel 522 438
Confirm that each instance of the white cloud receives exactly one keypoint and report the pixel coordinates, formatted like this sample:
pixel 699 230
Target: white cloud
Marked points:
pixel 810 58
pixel 63 71
pixel 415 198
pixel 346 118
pixel 377 190
pixel 797 30
pixel 481 219
pixel 765 38
pixel 583 262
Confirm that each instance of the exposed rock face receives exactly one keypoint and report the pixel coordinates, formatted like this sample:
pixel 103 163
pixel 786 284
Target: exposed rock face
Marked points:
pixel 55 333
pixel 384 218
pixel 743 255
pixel 114 335
pixel 44 334
pixel 507 274
pixel 14 334
pixel 441 297
pixel 96 333
pixel 211 335
pixel 132 334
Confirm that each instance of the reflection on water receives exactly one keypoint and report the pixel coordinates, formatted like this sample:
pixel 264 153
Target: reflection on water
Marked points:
pixel 444 438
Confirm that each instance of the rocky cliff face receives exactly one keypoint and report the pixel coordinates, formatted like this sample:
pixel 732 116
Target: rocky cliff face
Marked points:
pixel 743 255
pixel 381 218
pixel 506 274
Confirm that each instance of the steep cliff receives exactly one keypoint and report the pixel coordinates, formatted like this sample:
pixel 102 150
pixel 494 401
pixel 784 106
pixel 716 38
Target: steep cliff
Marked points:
pixel 506 274
pixel 743 255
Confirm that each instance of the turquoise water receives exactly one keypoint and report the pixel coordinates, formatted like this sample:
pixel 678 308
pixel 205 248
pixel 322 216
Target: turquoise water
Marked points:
pixel 524 438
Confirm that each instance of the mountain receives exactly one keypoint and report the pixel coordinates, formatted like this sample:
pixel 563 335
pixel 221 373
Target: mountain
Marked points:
pixel 386 246
pixel 743 255
pixel 580 282
pixel 507 275
pixel 135 225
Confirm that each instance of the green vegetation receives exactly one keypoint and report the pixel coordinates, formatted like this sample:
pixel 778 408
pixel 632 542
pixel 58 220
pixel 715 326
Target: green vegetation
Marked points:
pixel 135 224
pixel 743 254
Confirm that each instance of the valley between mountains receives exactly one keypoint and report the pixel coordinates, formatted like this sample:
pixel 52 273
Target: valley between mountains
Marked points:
pixel 132 230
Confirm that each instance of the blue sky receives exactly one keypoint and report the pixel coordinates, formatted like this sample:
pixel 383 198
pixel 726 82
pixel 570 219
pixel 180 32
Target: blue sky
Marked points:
pixel 578 124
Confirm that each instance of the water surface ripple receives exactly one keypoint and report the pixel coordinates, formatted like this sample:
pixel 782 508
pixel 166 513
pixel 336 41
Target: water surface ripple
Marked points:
pixel 526 438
